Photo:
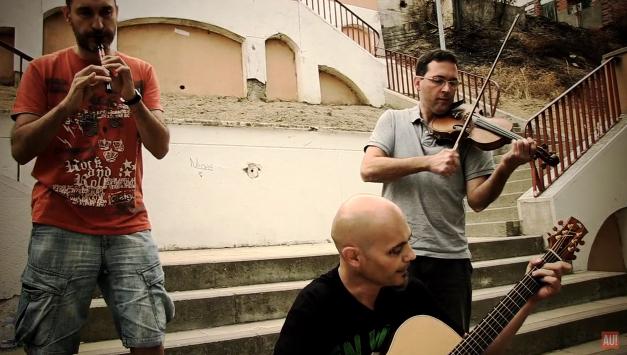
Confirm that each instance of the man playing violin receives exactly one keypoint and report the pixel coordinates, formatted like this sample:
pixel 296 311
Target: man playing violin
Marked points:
pixel 428 180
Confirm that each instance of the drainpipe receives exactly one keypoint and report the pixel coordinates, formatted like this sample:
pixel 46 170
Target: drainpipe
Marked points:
pixel 438 8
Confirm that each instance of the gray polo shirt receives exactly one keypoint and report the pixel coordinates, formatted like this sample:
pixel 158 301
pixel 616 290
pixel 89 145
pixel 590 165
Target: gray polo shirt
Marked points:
pixel 432 203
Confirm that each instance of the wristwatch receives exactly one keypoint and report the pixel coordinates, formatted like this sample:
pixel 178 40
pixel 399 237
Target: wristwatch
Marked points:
pixel 137 98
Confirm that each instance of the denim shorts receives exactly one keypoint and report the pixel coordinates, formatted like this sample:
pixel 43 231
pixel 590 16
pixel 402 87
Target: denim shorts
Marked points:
pixel 59 279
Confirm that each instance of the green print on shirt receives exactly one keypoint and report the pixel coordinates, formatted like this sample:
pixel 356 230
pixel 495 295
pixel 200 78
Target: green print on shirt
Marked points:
pixel 376 339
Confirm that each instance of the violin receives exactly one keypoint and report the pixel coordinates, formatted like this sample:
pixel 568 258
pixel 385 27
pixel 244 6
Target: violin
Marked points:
pixel 485 133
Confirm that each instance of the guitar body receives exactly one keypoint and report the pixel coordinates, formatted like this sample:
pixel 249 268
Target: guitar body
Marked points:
pixel 423 335
pixel 427 335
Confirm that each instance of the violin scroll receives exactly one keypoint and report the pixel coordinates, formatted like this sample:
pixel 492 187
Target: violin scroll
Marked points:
pixel 548 158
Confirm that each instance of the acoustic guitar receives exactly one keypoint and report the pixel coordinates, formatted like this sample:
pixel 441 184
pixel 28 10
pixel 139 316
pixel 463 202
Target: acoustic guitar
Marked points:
pixel 427 335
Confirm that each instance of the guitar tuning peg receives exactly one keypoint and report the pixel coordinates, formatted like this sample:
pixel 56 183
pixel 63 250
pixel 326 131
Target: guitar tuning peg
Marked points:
pixel 574 257
pixel 560 222
pixel 555 229
pixel 577 250
pixel 582 242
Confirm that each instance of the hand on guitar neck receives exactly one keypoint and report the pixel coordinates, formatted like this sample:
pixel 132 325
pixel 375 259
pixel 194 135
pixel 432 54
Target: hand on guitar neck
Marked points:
pixel 493 334
pixel 550 275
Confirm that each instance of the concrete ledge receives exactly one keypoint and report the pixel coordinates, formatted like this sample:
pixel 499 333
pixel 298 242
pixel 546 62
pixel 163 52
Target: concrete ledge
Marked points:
pixel 398 101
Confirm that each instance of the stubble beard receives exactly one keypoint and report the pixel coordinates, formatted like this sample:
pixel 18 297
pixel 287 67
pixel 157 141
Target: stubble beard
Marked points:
pixel 100 37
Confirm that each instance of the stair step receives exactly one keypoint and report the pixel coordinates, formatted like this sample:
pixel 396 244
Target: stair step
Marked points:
pixel 214 268
pixel 577 288
pixel 592 348
pixel 250 338
pixel 487 248
pixel 492 273
pixel 230 267
pixel 563 327
pixel 208 308
pixel 543 331
pixel 512 186
pixel 493 215
pixel 493 229
pixel 504 200
pixel 521 173
pixel 242 304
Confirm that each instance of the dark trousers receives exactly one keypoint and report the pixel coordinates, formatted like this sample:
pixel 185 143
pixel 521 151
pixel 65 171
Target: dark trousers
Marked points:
pixel 449 282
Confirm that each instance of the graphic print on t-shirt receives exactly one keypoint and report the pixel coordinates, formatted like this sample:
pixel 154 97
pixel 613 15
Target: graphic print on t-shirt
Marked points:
pixel 101 168
pixel 376 338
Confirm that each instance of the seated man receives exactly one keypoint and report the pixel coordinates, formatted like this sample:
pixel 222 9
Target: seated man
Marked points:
pixel 356 307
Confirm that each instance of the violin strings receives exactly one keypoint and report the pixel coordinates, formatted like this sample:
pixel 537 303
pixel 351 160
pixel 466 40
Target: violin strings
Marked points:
pixel 496 129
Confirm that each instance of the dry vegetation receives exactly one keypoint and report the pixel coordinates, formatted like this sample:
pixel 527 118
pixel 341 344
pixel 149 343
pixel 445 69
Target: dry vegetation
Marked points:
pixel 540 61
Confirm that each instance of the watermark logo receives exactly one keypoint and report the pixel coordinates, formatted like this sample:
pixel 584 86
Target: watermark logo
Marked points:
pixel 609 340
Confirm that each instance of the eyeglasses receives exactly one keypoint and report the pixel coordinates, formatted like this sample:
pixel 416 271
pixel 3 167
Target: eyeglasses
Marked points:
pixel 438 81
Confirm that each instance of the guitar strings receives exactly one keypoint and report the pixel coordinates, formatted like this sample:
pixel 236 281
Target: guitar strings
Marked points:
pixel 530 285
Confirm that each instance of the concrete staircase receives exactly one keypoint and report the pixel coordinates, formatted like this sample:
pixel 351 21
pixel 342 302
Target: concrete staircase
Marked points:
pixel 233 301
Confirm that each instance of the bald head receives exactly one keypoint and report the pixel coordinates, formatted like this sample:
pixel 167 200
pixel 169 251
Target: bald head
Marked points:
pixel 362 218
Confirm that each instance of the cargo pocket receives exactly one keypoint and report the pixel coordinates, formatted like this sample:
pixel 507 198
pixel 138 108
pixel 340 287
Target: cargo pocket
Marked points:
pixel 38 308
pixel 162 305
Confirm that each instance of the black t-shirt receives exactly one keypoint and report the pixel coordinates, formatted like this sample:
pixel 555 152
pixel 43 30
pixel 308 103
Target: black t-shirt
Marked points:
pixel 326 319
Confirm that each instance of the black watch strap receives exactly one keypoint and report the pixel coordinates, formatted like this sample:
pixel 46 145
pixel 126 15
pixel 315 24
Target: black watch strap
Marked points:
pixel 137 98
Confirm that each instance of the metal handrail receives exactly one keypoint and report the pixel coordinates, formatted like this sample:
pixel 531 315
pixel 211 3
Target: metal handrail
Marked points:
pixel 575 120
pixel 23 56
pixel 349 22
pixel 401 70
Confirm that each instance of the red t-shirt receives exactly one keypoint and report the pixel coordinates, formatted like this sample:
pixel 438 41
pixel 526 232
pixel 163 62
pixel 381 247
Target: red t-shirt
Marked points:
pixel 89 177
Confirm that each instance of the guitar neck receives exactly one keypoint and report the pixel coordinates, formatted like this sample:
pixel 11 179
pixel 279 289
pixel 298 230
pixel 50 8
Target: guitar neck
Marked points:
pixel 484 333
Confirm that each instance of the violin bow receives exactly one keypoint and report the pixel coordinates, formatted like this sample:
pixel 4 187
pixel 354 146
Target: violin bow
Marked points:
pixel 485 83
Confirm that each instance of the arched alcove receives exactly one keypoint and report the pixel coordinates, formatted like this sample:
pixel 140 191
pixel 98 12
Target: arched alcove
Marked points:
pixel 609 248
pixel 337 89
pixel 57 32
pixel 189 57
pixel 281 71
pixel 7 72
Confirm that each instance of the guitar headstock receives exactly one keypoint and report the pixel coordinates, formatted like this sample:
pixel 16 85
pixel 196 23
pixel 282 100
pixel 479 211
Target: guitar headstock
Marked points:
pixel 566 238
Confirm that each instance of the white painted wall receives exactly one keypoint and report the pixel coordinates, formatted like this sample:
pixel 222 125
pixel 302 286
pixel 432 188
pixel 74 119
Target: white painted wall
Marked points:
pixel 590 190
pixel 28 29
pixel 15 220
pixel 15 224
pixel 201 196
